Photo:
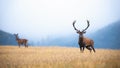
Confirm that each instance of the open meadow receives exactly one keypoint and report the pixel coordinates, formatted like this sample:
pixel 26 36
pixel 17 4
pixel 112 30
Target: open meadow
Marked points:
pixel 57 57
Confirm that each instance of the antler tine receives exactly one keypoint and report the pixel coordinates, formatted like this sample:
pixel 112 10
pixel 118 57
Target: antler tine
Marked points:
pixel 87 26
pixel 74 25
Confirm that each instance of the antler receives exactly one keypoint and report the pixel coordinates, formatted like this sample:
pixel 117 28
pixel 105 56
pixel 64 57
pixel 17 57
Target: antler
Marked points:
pixel 74 25
pixel 87 26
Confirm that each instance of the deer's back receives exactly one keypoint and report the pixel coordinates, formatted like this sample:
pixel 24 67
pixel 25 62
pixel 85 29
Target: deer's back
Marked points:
pixel 88 41
pixel 22 41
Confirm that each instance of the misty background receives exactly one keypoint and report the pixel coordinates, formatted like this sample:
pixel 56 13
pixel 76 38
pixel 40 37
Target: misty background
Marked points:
pixel 45 22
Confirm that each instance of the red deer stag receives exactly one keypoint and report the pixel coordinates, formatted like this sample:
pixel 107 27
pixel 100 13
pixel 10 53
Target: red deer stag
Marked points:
pixel 21 41
pixel 83 41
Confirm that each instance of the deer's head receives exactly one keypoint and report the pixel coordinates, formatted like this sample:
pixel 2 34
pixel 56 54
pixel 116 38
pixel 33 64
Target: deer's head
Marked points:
pixel 16 35
pixel 83 31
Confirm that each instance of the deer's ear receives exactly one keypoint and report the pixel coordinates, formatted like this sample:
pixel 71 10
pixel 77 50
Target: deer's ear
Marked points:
pixel 14 34
pixel 77 31
pixel 84 32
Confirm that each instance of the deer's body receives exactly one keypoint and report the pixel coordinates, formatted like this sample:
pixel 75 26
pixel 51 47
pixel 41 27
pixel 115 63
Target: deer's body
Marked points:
pixel 88 41
pixel 21 41
pixel 84 41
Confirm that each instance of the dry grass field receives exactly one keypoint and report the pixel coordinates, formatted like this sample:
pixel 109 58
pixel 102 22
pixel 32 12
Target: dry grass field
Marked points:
pixel 57 57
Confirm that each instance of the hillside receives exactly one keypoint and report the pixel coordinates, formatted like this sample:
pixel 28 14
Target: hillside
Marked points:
pixel 7 38
pixel 108 37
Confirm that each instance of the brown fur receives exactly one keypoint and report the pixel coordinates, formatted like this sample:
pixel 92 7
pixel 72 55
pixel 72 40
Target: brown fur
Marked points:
pixel 88 41
pixel 83 41
pixel 21 41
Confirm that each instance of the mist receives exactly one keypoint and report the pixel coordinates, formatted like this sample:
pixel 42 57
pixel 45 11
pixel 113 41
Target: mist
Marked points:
pixel 35 19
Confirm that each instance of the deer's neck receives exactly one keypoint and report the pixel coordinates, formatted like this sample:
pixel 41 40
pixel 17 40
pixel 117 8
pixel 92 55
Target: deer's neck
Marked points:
pixel 17 38
pixel 81 38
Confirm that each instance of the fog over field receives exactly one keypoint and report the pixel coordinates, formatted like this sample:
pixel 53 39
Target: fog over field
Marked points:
pixel 35 19
pixel 49 22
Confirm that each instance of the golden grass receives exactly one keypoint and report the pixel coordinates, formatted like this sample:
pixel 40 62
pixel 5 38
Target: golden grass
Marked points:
pixel 57 57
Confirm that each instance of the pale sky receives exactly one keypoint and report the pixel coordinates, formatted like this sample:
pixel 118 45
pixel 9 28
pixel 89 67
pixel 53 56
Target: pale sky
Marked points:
pixel 41 18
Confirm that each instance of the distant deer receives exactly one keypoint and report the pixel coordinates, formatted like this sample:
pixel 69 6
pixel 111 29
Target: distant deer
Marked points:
pixel 83 41
pixel 21 41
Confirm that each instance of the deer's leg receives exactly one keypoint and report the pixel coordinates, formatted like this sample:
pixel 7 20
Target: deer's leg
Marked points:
pixel 25 45
pixel 88 47
pixel 80 47
pixel 83 46
pixel 92 48
pixel 83 49
pixel 19 45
